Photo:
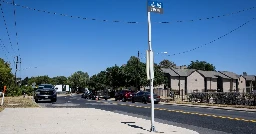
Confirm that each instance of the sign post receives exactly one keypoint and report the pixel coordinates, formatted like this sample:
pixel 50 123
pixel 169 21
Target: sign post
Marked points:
pixel 2 103
pixel 155 7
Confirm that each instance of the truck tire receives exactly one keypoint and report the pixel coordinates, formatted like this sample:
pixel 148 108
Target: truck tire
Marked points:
pixel 133 100
pixel 54 100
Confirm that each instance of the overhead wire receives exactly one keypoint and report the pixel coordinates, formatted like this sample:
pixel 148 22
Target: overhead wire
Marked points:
pixel 130 22
pixel 6 27
pixel 220 37
pixel 15 25
pixel 4 49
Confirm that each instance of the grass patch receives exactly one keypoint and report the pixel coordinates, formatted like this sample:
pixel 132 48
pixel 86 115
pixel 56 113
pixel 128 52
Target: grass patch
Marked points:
pixel 18 102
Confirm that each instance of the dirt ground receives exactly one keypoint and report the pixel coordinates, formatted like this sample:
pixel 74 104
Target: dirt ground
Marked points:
pixel 17 102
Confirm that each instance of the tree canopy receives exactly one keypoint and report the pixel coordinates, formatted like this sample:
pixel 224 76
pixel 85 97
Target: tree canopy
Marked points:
pixel 166 64
pixel 78 80
pixel 201 65
pixel 132 74
pixel 6 76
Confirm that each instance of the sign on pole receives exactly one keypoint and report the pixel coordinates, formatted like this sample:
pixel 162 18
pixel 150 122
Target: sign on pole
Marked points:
pixel 33 85
pixel 156 7
pixel 150 65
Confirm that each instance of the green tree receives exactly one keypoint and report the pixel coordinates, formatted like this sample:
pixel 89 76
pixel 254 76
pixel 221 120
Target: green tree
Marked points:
pixel 40 80
pixel 78 79
pixel 59 80
pixel 167 64
pixel 201 65
pixel 159 77
pixel 113 77
pixel 134 71
pixel 25 81
pixel 6 76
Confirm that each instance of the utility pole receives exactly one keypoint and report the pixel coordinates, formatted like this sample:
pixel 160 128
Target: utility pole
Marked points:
pixel 138 80
pixel 20 72
pixel 16 65
pixel 156 7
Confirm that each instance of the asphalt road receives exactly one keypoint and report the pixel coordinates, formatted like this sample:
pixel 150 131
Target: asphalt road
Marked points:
pixel 202 120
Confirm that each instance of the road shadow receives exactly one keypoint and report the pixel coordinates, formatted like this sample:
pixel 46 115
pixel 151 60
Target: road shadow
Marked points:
pixel 132 124
pixel 46 102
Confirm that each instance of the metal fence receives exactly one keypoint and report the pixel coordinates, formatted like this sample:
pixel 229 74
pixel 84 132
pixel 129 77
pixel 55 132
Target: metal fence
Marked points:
pixel 229 98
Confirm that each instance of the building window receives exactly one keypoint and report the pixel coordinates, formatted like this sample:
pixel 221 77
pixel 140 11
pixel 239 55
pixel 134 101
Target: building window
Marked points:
pixel 195 79
pixel 241 81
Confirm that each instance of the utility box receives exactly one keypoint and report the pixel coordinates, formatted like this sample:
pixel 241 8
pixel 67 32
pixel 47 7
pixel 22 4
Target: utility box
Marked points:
pixel 67 88
pixel 58 88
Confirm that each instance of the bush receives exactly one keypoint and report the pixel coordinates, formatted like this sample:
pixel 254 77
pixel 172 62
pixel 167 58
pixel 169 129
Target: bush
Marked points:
pixel 28 90
pixel 13 90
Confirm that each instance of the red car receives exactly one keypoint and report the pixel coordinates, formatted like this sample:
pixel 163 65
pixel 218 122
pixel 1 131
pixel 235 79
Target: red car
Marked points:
pixel 124 95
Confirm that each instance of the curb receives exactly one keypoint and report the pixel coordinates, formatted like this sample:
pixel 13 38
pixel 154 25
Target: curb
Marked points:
pixel 222 108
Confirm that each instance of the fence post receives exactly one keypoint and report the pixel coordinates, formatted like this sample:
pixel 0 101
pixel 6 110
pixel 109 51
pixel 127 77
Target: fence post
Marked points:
pixel 181 94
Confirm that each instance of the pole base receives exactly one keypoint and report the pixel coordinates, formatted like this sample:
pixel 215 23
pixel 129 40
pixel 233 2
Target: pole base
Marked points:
pixel 152 129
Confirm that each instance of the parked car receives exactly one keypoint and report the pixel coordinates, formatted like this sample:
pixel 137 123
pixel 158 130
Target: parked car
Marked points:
pixel 45 91
pixel 86 95
pixel 124 95
pixel 144 96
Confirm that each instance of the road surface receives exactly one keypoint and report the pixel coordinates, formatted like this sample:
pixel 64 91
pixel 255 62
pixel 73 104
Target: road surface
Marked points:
pixel 201 120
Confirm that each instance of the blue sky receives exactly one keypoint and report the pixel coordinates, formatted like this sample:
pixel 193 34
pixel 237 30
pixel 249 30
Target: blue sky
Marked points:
pixel 59 45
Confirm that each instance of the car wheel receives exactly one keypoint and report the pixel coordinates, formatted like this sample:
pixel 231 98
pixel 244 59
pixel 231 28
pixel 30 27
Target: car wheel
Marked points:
pixel 144 101
pixel 54 100
pixel 115 99
pixel 156 102
pixel 133 100
pixel 36 100
pixel 123 100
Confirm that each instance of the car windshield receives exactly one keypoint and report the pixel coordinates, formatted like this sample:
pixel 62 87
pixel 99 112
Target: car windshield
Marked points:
pixel 45 86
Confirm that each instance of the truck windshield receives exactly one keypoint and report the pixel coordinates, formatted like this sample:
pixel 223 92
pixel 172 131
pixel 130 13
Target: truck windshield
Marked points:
pixel 48 86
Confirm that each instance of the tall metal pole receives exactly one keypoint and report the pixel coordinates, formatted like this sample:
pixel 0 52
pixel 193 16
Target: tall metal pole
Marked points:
pixel 150 72
pixel 138 80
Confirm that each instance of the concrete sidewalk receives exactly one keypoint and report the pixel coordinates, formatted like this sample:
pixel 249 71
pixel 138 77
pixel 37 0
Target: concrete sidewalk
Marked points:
pixel 77 120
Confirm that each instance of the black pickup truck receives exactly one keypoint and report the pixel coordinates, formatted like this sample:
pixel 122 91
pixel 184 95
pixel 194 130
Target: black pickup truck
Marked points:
pixel 45 91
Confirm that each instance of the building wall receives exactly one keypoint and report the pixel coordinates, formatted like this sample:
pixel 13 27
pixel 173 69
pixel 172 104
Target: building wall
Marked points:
pixel 226 85
pixel 195 82
pixel 174 82
pixel 211 83
pixel 241 84
pixel 233 85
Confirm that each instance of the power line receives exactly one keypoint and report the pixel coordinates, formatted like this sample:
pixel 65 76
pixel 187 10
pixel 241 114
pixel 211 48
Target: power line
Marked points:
pixel 3 47
pixel 7 31
pixel 220 37
pixel 129 22
pixel 15 25
pixel 208 18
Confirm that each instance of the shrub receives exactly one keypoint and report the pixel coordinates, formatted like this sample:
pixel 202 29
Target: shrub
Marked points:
pixel 13 90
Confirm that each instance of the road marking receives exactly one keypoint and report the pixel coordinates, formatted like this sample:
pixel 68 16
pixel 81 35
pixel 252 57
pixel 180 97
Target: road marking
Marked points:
pixel 192 113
